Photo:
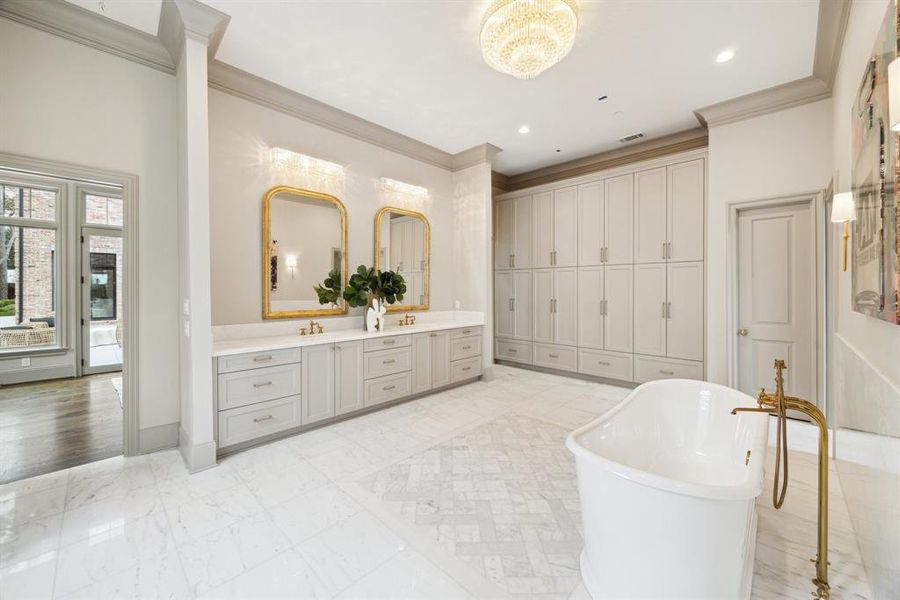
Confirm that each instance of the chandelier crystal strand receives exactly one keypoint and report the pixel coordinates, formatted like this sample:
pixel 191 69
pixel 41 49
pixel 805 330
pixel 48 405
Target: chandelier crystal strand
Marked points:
pixel 523 38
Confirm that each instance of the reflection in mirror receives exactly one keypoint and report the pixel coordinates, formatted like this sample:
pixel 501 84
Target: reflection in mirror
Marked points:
pixel 403 244
pixel 304 239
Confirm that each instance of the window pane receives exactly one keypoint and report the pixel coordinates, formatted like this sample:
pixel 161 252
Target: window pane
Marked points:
pixel 27 287
pixel 28 203
pixel 102 210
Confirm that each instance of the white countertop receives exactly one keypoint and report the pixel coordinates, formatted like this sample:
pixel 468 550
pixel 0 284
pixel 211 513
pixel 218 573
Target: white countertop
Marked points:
pixel 227 347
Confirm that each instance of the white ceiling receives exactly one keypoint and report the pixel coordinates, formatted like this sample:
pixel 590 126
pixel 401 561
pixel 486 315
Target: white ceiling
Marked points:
pixel 415 66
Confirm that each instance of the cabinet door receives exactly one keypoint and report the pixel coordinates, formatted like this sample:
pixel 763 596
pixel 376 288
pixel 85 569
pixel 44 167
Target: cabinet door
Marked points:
pixel 565 316
pixel 685 211
pixel 685 311
pixel 565 227
pixel 317 399
pixel 349 393
pixel 591 224
pixel 650 216
pixel 542 331
pixel 618 308
pixel 590 307
pixel 504 297
pixel 421 371
pixel 503 232
pixel 649 309
pixel 618 220
pixel 542 230
pixel 522 232
pixel 440 358
pixel 521 324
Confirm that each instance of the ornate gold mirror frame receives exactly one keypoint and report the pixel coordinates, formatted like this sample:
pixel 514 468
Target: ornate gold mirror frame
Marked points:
pixel 267 313
pixel 384 212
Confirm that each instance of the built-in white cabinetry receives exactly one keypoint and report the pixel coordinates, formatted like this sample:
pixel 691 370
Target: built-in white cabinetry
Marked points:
pixel 261 394
pixel 617 278
pixel 512 233
pixel 555 227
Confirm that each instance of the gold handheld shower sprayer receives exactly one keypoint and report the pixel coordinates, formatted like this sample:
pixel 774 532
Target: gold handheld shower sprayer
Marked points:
pixel 778 404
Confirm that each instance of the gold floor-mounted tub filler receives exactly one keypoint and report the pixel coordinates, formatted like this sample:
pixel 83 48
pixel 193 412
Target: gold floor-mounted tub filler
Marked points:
pixel 778 404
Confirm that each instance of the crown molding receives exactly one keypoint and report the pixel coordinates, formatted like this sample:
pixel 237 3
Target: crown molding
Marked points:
pixel 832 25
pixel 180 19
pixel 247 86
pixel 476 155
pixel 780 97
pixel 675 143
pixel 80 25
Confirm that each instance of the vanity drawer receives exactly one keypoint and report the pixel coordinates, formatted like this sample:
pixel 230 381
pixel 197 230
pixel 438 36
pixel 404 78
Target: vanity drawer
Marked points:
pixel 460 370
pixel 256 360
pixel 648 368
pixel 385 389
pixel 242 388
pixel 556 357
pixel 395 341
pixel 513 350
pixel 606 364
pixel 387 362
pixel 466 347
pixel 250 422
pixel 455 334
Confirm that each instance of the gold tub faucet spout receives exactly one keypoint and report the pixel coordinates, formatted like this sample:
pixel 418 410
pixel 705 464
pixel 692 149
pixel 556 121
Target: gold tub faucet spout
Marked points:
pixel 778 404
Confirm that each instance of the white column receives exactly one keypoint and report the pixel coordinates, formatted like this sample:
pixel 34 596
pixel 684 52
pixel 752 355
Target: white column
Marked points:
pixel 189 29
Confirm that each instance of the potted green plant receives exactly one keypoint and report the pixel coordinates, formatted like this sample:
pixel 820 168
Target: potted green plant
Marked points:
pixel 366 287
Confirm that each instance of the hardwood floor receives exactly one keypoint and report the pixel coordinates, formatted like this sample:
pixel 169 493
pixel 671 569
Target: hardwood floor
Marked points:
pixel 52 425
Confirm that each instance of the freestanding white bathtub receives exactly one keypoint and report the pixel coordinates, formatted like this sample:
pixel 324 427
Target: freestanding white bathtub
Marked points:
pixel 666 497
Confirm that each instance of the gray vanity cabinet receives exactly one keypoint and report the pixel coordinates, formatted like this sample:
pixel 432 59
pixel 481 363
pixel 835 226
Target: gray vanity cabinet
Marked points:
pixel 317 399
pixel 431 359
pixel 349 391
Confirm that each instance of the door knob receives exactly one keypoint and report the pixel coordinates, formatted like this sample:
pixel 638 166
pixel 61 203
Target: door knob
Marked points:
pixel 743 331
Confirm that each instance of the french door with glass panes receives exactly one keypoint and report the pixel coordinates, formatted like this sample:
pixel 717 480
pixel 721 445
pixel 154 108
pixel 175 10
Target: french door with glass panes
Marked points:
pixel 101 300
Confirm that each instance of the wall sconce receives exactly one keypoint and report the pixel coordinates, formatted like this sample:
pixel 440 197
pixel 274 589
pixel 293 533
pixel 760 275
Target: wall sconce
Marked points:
pixel 288 160
pixel 894 94
pixel 843 211
pixel 290 261
pixel 399 187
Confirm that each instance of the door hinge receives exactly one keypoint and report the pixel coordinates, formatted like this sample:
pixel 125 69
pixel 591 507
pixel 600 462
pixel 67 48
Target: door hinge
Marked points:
pixel 82 322
pixel 82 239
pixel 82 279
pixel 82 362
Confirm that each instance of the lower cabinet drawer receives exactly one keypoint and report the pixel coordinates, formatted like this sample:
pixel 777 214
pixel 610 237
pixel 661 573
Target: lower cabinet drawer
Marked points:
pixel 250 422
pixel 465 348
pixel 242 388
pixel 556 357
pixel 385 343
pixel 456 334
pixel 460 370
pixel 513 350
pixel 606 364
pixel 385 389
pixel 648 368
pixel 256 360
pixel 387 362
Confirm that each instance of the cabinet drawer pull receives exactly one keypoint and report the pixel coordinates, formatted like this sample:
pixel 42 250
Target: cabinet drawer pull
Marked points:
pixel 467 331
pixel 512 350
pixel 664 251
pixel 467 368
pixel 554 356
pixel 262 358
pixel 664 372
pixel 261 419
pixel 264 384
pixel 669 250
pixel 467 347
pixel 433 335
pixel 388 362
pixel 388 388
pixel 668 310
pixel 389 342
pixel 603 362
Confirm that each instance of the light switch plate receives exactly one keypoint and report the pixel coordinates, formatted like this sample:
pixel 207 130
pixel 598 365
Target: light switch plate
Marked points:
pixel 26 362
pixel 458 305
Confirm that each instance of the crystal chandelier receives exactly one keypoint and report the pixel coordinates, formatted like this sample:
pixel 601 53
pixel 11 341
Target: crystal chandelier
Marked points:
pixel 525 37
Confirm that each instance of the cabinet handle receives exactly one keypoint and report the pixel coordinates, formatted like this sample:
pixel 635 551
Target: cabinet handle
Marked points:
pixel 467 331
pixel 603 254
pixel 261 419
pixel 388 362
pixel 433 335
pixel 389 342
pixel 664 372
pixel 511 261
pixel 664 251
pixel 604 363
pixel 262 358
pixel 603 309
pixel 668 310
pixel 467 368
pixel 554 355
pixel 388 388
pixel 663 310
pixel 553 258
pixel 669 250
pixel 466 347
pixel 511 350
pixel 512 304
pixel 337 347
pixel 259 385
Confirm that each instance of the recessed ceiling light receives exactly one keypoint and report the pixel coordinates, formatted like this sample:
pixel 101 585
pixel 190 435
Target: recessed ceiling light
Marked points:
pixel 524 129
pixel 724 56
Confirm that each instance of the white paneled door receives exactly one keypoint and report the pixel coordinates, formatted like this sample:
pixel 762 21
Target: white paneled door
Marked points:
pixel 685 211
pixel 542 237
pixel 684 311
pixel 522 232
pixel 522 298
pixel 565 227
pixel 776 299
pixel 591 224
pixel 503 303
pixel 543 306
pixel 650 216
pixel 618 220
pixel 618 308
pixel 590 307
pixel 503 234
pixel 650 309
pixel 565 306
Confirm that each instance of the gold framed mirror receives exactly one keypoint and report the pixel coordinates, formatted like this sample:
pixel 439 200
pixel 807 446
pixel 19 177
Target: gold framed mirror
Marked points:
pixel 403 244
pixel 304 238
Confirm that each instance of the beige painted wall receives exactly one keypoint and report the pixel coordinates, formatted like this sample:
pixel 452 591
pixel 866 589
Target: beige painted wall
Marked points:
pixel 66 102
pixel 240 134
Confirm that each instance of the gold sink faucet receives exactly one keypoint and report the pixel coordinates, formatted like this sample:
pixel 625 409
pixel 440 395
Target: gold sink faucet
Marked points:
pixel 408 319
pixel 778 404
pixel 313 327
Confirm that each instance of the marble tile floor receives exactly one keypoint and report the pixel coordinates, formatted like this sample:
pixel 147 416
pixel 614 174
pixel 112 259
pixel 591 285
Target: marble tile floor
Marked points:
pixel 467 493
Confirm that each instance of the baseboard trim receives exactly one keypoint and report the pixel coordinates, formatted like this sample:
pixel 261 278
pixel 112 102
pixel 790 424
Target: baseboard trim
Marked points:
pixel 27 375
pixel 157 438
pixel 199 457
pixel 572 374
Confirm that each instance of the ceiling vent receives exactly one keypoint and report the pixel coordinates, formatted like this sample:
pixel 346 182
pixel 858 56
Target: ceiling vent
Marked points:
pixel 631 138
